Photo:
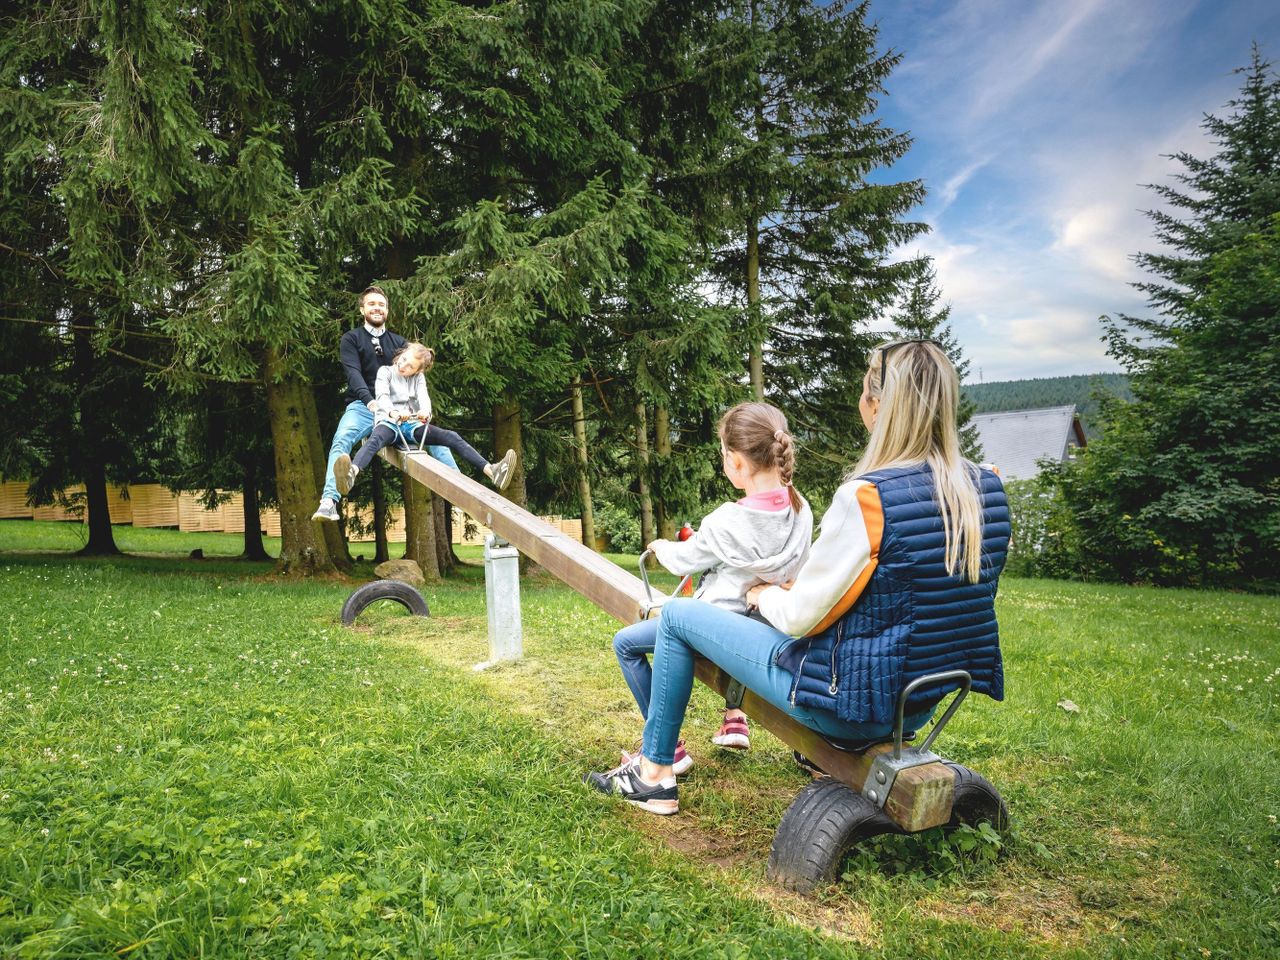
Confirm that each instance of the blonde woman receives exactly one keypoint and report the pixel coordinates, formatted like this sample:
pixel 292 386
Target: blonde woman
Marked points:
pixel 900 583
pixel 402 408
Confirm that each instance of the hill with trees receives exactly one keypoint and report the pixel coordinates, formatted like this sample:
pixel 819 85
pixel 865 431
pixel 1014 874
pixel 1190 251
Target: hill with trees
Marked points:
pixel 1083 390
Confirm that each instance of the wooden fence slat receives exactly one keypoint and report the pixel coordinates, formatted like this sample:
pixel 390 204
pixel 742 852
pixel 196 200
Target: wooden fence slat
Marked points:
pixel 13 501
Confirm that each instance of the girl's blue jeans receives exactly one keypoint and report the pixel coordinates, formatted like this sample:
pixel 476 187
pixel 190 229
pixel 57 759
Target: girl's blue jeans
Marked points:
pixel 632 646
pixel 746 649
pixel 356 425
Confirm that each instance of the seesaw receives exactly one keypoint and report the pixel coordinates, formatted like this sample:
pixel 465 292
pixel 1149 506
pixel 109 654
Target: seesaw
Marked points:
pixel 869 788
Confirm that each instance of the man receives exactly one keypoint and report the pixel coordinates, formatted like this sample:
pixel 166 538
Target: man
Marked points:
pixel 363 350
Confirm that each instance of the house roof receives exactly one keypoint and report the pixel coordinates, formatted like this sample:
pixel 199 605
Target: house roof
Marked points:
pixel 1014 440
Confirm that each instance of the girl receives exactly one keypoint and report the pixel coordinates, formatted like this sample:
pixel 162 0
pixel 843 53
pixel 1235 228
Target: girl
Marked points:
pixel 403 407
pixel 900 583
pixel 762 538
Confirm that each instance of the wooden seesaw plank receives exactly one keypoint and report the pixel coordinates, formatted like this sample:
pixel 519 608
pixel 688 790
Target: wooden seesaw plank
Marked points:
pixel 921 796
pixel 617 592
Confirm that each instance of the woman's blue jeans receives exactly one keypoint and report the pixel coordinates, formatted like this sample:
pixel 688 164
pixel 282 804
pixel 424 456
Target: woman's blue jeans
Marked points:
pixel 356 425
pixel 746 649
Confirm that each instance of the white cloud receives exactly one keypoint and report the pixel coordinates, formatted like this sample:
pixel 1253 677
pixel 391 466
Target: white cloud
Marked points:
pixel 1043 122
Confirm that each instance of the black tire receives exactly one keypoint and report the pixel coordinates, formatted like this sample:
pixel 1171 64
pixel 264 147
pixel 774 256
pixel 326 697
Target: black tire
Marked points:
pixel 396 590
pixel 976 800
pixel 818 830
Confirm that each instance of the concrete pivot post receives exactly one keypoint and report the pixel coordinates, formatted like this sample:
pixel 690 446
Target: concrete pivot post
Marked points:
pixel 502 600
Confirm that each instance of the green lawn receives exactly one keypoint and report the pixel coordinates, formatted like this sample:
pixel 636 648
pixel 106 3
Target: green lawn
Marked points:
pixel 196 759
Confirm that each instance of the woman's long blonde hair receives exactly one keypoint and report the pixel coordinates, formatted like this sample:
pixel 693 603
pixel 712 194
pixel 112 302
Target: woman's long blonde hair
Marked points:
pixel 916 423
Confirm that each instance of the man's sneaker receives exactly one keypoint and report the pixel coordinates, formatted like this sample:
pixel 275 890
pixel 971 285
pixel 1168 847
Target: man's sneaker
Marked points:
pixel 681 762
pixel 734 735
pixel 501 471
pixel 328 510
pixel 344 473
pixel 661 798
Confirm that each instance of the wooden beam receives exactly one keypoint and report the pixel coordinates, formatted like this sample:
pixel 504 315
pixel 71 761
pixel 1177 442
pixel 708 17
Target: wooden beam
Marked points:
pixel 617 592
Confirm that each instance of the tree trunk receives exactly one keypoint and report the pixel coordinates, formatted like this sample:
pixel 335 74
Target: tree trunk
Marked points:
pixel 334 538
pixel 303 550
pixel 662 462
pixel 754 331
pixel 508 435
pixel 377 475
pixel 420 528
pixel 253 547
pixel 642 473
pixel 93 469
pixel 584 480
pixel 445 559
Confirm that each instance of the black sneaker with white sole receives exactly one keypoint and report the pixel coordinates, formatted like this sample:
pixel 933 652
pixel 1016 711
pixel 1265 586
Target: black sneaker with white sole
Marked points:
pixel 661 798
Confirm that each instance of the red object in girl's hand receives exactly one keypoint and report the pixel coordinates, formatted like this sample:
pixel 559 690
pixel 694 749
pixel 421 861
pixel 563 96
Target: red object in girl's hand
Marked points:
pixel 685 533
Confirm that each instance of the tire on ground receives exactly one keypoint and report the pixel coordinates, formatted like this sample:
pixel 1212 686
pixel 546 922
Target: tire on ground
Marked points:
pixel 397 590
pixel 818 830
pixel 976 800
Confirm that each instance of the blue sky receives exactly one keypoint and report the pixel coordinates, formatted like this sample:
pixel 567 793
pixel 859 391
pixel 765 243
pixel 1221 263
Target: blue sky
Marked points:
pixel 1036 124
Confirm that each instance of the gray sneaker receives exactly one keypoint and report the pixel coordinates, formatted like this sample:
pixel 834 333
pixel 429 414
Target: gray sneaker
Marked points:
pixel 345 473
pixel 328 510
pixel 500 472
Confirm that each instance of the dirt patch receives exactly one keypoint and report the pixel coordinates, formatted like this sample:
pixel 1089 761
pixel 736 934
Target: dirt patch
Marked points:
pixel 1046 911
pixel 743 862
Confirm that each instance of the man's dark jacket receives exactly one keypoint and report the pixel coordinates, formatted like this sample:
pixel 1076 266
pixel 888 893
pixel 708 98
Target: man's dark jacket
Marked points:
pixel 361 361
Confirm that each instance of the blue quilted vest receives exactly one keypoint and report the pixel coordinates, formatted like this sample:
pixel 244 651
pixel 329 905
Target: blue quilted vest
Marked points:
pixel 912 618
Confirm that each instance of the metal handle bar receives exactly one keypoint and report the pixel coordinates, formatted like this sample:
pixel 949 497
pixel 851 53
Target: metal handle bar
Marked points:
pixel 966 682
pixel 644 576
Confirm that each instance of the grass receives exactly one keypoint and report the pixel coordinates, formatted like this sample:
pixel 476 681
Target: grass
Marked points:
pixel 196 759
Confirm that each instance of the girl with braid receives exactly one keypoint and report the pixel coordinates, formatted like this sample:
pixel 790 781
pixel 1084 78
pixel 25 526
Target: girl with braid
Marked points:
pixel 760 539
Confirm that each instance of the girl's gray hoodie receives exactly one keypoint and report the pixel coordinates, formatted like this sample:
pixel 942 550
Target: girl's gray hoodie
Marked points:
pixel 738 547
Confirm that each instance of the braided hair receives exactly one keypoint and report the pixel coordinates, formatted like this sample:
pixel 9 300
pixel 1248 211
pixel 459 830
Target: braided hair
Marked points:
pixel 758 431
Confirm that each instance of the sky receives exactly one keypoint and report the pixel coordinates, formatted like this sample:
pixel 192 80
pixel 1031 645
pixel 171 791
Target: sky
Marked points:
pixel 1036 124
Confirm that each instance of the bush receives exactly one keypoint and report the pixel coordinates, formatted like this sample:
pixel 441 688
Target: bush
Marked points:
pixel 620 526
pixel 1043 543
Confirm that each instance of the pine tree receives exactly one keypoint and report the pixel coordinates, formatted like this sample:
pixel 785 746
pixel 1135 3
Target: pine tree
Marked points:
pixel 1182 487
pixel 921 314
pixel 809 263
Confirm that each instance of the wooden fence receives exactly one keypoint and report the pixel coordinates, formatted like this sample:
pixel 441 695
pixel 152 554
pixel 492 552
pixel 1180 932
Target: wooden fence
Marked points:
pixel 152 505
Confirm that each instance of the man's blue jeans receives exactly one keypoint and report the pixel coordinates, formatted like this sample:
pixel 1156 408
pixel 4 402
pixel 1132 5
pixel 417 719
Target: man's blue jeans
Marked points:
pixel 746 649
pixel 356 425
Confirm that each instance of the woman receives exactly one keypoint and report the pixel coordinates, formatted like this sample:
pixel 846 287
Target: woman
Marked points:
pixel 899 584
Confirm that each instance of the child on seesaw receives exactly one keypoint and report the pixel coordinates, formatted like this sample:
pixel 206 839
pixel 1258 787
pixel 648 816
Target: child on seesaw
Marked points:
pixel 403 409
pixel 761 539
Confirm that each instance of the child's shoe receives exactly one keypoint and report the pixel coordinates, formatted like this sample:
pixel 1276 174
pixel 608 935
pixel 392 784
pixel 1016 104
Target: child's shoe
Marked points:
pixel 499 473
pixel 661 798
pixel 734 734
pixel 328 510
pixel 345 473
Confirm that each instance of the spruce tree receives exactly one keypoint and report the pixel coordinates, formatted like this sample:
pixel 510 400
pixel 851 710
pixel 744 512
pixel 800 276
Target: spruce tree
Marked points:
pixel 920 313
pixel 809 262
pixel 1182 486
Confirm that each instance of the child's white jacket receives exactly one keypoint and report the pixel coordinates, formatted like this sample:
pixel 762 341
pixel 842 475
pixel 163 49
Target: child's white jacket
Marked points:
pixel 738 547
pixel 394 394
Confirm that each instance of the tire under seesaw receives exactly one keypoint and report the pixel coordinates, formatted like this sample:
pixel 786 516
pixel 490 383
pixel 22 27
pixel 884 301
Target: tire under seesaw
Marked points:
pixel 829 819
pixel 396 590
pixel 832 815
